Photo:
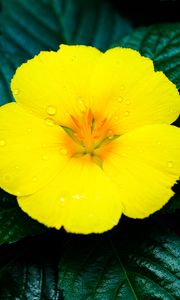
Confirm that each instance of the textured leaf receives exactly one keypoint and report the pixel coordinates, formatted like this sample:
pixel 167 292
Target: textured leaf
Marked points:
pixel 8 65
pixel 130 267
pixel 28 272
pixel 92 22
pixel 161 43
pixel 14 224
pixel 31 26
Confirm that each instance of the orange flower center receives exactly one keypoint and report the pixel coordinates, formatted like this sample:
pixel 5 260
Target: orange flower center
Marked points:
pixel 90 135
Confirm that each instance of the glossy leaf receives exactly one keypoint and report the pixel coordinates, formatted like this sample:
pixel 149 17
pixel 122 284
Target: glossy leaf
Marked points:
pixel 131 266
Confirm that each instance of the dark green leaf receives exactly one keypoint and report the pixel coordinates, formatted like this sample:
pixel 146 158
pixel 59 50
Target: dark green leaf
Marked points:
pixel 161 43
pixel 133 266
pixel 90 22
pixel 28 271
pixel 31 26
pixel 8 65
pixel 14 224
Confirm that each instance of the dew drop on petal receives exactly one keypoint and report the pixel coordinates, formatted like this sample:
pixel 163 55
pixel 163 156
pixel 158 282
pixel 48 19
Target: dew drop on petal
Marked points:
pixel 91 216
pixel 114 222
pixel 82 105
pixel 2 143
pixel 120 99
pixel 45 157
pixel 44 145
pixel 49 122
pixel 51 110
pixel 170 164
pixel 128 102
pixel 64 151
pixel 16 92
pixel 126 113
pixel 62 199
pixel 110 134
pixel 7 177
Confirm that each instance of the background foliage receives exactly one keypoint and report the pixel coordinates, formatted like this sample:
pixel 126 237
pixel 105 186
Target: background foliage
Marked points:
pixel 135 260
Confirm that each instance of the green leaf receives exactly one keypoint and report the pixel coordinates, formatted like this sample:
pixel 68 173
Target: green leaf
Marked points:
pixel 14 224
pixel 31 26
pixel 8 65
pixel 92 22
pixel 124 266
pixel 161 43
pixel 28 272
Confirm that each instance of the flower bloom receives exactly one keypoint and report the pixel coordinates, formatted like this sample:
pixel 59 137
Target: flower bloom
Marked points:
pixel 89 138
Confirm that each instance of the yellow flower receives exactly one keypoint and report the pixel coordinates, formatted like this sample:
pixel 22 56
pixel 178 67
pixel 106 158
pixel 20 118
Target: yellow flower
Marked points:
pixel 89 138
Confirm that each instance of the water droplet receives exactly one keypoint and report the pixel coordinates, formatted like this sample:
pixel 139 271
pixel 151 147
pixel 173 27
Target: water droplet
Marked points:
pixel 107 179
pixel 128 102
pixel 16 92
pixel 114 222
pixel 45 157
pixel 34 179
pixel 7 177
pixel 82 105
pixel 170 164
pixel 2 143
pixel 120 99
pixel 126 113
pixel 62 199
pixel 110 134
pixel 91 216
pixel 77 197
pixel 121 87
pixel 64 151
pixel 74 58
pixel 51 110
pixel 49 122
pixel 43 145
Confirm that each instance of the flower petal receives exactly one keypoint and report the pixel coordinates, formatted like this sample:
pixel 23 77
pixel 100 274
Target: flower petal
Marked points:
pixel 145 164
pixel 30 150
pixel 130 92
pixel 81 199
pixel 55 83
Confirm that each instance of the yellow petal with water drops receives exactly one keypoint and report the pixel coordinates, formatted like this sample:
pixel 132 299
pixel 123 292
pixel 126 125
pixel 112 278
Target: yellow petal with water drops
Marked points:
pixel 131 93
pixel 81 199
pixel 54 84
pixel 30 150
pixel 145 164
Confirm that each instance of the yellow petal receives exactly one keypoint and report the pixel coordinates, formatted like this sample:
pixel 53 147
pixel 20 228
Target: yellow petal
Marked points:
pixel 81 199
pixel 145 164
pixel 30 150
pixel 55 83
pixel 125 84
